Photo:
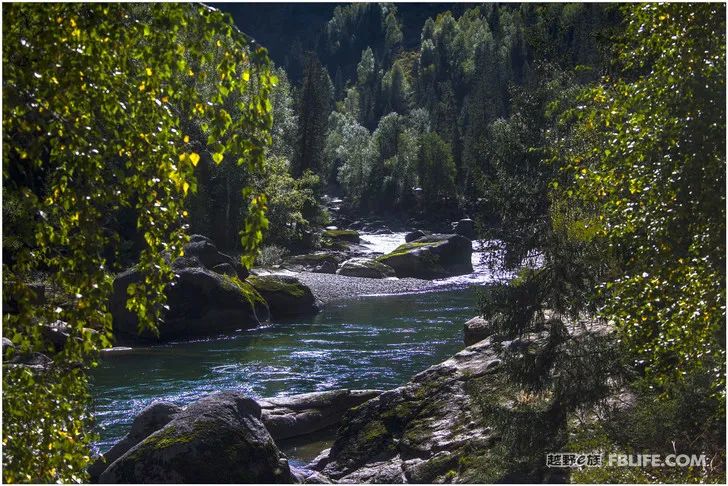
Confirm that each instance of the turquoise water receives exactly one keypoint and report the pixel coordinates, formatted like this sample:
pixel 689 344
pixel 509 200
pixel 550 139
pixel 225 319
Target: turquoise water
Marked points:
pixel 369 342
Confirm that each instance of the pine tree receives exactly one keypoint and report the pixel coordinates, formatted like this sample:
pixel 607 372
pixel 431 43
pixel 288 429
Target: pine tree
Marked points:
pixel 314 107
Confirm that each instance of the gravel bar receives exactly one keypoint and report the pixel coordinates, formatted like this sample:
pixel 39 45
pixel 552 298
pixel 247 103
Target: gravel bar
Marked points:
pixel 327 287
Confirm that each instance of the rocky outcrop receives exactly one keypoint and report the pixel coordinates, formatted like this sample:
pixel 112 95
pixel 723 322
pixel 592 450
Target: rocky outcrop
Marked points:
pixel 32 361
pixel 444 426
pixel 56 334
pixel 297 415
pixel 475 330
pixel 432 256
pixel 201 303
pixel 207 297
pixel 217 439
pixel 465 227
pixel 286 296
pixel 365 267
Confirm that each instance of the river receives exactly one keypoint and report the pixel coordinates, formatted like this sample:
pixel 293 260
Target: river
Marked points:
pixel 367 342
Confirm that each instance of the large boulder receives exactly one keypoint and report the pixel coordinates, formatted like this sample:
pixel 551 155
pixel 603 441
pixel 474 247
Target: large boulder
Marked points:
pixel 432 256
pixel 201 303
pixel 447 425
pixel 149 420
pixel 465 227
pixel 217 439
pixel 475 330
pixel 298 415
pixel 211 258
pixel 286 296
pixel 365 267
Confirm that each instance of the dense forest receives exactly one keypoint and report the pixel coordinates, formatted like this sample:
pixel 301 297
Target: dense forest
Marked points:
pixel 588 138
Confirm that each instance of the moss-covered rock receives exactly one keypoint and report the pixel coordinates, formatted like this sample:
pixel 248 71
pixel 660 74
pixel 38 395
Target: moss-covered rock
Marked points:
pixel 365 267
pixel 149 420
pixel 432 256
pixel 286 296
pixel 350 236
pixel 217 439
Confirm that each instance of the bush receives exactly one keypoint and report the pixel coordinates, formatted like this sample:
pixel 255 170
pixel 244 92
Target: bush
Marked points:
pixel 270 255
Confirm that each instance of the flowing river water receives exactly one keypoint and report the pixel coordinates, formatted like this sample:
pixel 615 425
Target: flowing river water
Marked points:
pixel 367 342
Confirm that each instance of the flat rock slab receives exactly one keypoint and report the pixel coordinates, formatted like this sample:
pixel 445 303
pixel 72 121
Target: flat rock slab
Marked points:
pixel 297 415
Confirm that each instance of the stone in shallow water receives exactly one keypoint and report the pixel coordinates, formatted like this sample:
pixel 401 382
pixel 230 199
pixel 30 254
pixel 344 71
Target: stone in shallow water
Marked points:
pixel 414 235
pixel 465 227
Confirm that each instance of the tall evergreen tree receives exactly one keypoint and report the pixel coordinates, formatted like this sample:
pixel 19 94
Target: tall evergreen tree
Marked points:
pixel 314 107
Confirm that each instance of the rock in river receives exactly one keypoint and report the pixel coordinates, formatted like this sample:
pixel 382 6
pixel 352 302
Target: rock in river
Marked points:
pixel 149 420
pixel 365 267
pixel 201 303
pixel 432 256
pixel 217 439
